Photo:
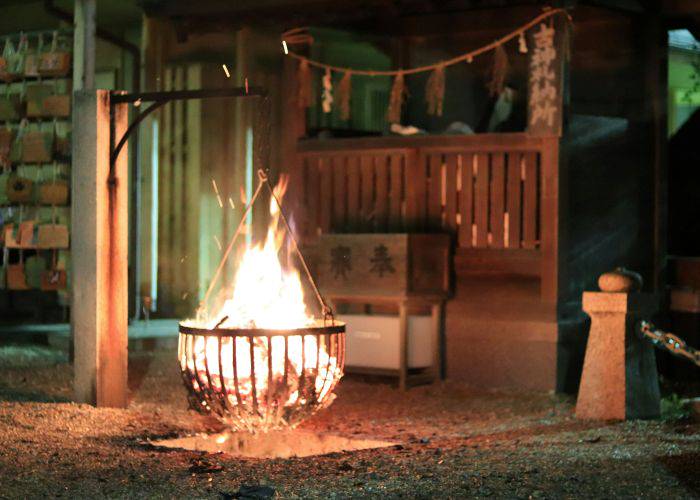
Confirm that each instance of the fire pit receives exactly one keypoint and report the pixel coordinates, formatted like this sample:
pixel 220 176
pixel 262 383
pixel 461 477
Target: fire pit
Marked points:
pixel 262 362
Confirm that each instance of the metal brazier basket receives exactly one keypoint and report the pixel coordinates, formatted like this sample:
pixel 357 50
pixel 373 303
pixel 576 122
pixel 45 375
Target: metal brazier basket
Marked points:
pixel 260 379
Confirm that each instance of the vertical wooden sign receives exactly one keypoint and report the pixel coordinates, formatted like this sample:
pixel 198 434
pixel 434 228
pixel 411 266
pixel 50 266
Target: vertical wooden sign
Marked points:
pixel 547 49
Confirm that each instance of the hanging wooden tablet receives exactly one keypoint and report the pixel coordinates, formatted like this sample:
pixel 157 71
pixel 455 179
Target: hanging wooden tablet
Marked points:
pixel 16 276
pixel 19 189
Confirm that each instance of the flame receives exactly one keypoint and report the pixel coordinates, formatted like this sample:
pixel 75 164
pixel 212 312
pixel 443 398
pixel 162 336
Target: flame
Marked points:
pixel 249 370
pixel 264 295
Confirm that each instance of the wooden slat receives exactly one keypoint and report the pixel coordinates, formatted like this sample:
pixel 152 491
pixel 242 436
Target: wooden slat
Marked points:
pixel 312 197
pixel 299 192
pixel 339 194
pixel 367 192
pixel 530 200
pixel 514 194
pixel 326 194
pixel 381 205
pixel 396 192
pixel 416 192
pixel 451 192
pixel 466 201
pixel 435 192
pixel 481 200
pixel 353 216
pixel 193 174
pixel 177 241
pixel 497 199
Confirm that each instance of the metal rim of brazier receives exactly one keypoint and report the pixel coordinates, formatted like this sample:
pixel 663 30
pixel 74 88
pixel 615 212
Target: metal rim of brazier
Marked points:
pixel 286 397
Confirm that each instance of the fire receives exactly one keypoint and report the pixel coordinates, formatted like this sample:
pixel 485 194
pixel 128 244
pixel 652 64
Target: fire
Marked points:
pixel 283 371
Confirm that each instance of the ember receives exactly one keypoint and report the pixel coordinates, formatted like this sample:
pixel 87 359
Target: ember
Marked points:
pixel 262 362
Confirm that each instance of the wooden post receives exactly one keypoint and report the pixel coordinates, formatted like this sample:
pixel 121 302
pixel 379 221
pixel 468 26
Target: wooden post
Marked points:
pixel 99 244
pixel 550 208
pixel 656 90
pixel 403 346
pixel 84 45
pixel 436 313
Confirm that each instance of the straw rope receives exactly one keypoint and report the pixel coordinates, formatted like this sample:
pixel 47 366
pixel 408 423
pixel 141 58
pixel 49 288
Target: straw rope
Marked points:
pixel 467 56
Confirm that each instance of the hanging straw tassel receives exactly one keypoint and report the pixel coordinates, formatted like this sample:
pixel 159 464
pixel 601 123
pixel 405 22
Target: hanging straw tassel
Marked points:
pixel 305 93
pixel 327 94
pixel 499 71
pixel 396 98
pixel 343 94
pixel 435 91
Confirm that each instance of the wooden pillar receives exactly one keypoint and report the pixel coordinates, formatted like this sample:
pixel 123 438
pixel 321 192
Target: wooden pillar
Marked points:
pixel 99 239
pixel 656 94
pixel 84 45
pixel 293 118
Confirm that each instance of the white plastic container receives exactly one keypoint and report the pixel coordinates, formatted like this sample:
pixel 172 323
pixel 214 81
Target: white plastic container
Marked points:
pixel 373 341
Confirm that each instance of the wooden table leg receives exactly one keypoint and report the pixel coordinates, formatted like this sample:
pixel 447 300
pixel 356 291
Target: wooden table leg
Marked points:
pixel 436 316
pixel 403 346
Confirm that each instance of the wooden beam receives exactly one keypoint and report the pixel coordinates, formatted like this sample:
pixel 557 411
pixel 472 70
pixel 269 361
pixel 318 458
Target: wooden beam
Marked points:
pixel 99 238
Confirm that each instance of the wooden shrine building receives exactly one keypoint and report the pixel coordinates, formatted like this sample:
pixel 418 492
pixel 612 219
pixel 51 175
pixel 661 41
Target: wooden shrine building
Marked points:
pixel 536 209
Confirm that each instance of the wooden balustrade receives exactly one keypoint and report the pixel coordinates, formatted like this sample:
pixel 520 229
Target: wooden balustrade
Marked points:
pixel 484 189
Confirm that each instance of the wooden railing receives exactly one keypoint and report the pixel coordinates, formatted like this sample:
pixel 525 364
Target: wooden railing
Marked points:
pixel 485 189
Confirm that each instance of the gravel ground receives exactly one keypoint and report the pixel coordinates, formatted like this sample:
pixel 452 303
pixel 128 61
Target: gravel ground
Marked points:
pixel 456 441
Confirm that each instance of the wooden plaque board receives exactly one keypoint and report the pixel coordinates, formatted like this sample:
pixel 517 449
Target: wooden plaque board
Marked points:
pixel 548 51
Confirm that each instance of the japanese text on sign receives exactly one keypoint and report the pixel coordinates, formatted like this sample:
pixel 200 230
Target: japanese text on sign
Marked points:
pixel 543 88
pixel 381 262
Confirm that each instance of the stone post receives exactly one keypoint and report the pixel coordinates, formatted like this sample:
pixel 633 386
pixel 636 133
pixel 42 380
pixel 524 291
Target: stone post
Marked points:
pixel 619 379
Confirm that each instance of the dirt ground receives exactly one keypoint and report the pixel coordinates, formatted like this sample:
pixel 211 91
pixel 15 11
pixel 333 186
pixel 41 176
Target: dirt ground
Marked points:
pixel 455 441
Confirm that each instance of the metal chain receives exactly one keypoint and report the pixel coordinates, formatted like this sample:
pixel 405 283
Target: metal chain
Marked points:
pixel 670 342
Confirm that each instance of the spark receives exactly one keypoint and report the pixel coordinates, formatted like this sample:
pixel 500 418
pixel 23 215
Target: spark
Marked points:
pixel 218 243
pixel 184 295
pixel 230 202
pixel 218 197
pixel 228 75
pixel 137 103
pixel 284 47
pixel 183 259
